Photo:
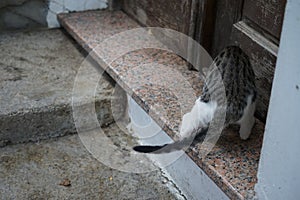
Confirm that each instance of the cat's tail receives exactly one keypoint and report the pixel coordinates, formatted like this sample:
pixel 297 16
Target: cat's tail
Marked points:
pixel 148 149
pixel 165 148
pixel 196 137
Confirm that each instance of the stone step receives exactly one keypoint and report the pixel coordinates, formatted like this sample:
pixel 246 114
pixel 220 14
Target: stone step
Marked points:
pixel 160 83
pixel 62 168
pixel 37 72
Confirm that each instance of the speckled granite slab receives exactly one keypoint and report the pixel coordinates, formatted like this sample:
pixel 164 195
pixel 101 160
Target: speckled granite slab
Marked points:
pixel 161 84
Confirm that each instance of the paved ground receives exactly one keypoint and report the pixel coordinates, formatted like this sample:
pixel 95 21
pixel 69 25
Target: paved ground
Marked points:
pixel 35 171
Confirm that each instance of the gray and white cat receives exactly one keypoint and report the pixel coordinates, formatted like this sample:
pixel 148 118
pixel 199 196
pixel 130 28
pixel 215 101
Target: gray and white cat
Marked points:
pixel 238 78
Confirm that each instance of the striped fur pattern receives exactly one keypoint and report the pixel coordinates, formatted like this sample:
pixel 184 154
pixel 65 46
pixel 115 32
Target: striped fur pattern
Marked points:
pixel 238 79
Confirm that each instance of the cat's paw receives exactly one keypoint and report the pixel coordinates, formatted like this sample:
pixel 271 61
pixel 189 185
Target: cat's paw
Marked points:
pixel 244 136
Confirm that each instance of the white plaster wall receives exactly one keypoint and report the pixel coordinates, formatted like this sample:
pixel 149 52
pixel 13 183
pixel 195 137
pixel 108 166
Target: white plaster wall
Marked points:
pixel 279 167
pixel 62 6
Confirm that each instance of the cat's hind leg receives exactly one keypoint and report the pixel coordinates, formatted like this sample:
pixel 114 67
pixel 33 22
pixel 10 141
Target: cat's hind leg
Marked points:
pixel 247 121
pixel 198 119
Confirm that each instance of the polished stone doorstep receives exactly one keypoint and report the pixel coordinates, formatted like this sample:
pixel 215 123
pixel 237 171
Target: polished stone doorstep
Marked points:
pixel 161 84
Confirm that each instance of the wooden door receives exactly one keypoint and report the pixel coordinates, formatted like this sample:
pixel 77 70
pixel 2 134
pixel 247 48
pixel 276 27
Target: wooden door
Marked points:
pixel 255 26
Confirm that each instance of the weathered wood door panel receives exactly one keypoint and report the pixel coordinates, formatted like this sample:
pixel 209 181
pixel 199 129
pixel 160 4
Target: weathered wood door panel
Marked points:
pixel 266 14
pixel 173 14
pixel 255 26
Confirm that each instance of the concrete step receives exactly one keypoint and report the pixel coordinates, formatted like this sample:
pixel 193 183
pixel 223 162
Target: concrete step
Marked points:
pixel 160 84
pixel 37 72
pixel 62 168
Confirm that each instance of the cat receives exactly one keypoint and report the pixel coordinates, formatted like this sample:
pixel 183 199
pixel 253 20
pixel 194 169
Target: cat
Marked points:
pixel 238 78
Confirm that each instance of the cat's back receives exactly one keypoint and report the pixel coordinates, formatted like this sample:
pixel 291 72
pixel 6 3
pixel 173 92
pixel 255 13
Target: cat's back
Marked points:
pixel 236 71
pixel 238 78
